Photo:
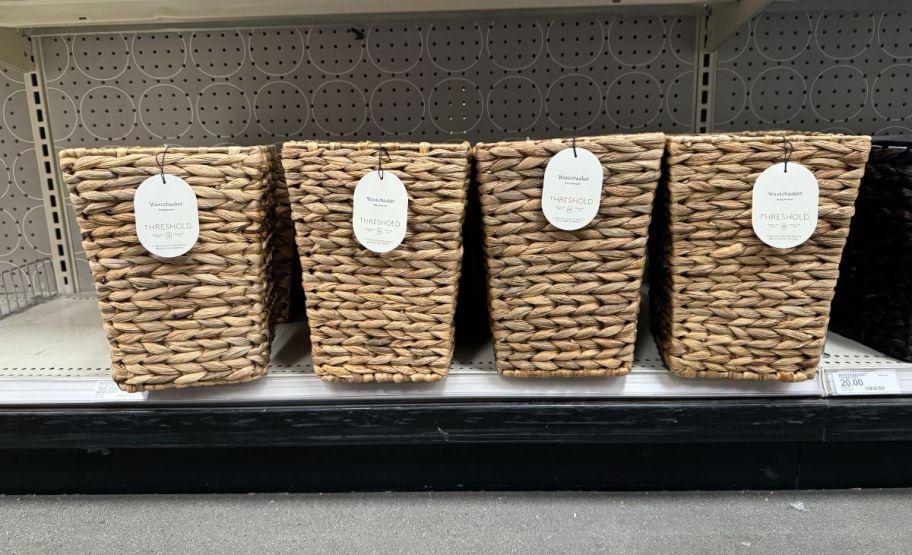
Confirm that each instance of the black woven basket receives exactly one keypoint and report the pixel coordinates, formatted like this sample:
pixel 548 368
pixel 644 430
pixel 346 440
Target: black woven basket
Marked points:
pixel 873 302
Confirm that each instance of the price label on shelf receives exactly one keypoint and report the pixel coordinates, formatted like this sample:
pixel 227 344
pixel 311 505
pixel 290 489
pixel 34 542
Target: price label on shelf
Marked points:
pixel 866 382
pixel 107 390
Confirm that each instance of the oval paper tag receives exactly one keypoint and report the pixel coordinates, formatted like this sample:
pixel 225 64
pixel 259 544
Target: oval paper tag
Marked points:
pixel 572 189
pixel 167 218
pixel 380 212
pixel 784 205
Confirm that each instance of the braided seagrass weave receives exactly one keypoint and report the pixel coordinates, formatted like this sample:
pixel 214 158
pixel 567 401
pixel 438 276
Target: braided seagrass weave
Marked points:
pixel 379 317
pixel 565 303
pixel 724 304
pixel 198 319
pixel 873 302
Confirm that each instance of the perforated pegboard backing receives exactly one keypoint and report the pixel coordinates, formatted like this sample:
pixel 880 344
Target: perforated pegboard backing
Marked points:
pixel 843 71
pixel 435 81
pixel 23 226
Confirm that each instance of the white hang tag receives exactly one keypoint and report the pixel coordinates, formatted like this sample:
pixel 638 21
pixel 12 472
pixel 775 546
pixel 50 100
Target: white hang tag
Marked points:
pixel 784 205
pixel 167 217
pixel 380 212
pixel 572 189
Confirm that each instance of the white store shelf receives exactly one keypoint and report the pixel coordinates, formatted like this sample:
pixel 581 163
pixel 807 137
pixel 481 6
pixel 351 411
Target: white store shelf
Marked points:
pixel 845 357
pixel 76 13
pixel 56 353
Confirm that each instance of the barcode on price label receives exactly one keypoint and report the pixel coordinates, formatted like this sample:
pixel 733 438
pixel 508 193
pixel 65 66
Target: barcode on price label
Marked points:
pixel 107 390
pixel 866 382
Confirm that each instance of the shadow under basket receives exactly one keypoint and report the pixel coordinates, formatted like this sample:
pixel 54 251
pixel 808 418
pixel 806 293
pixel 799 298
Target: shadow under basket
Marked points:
pixel 284 255
pixel 565 303
pixel 725 304
pixel 873 302
pixel 379 317
pixel 205 317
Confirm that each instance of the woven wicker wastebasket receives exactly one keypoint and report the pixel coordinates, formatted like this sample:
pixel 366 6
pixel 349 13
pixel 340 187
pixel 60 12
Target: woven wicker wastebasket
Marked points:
pixel 203 318
pixel 565 303
pixel 379 317
pixel 724 304
pixel 873 302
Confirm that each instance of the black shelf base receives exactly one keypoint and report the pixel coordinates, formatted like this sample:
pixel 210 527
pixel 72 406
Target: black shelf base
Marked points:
pixel 702 466
pixel 782 443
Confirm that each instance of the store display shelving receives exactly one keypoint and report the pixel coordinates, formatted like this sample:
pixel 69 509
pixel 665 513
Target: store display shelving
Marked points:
pixel 56 385
pixel 25 17
pixel 97 76
pixel 62 358
pixel 54 13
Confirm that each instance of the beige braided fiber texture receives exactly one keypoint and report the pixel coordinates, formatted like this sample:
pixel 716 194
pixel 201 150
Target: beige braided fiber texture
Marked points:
pixel 203 318
pixel 565 303
pixel 379 317
pixel 724 304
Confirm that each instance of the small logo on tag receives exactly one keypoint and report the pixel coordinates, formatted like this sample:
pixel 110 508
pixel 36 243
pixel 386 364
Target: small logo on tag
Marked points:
pixel 572 188
pixel 167 217
pixel 380 212
pixel 784 205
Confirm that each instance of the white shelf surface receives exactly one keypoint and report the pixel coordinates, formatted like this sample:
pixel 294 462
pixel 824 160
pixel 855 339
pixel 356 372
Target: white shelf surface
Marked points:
pixel 844 358
pixel 56 353
pixel 81 13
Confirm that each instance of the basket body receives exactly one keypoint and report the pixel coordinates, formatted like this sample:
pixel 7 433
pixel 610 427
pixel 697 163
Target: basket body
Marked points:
pixel 379 317
pixel 203 318
pixel 724 304
pixel 873 302
pixel 565 303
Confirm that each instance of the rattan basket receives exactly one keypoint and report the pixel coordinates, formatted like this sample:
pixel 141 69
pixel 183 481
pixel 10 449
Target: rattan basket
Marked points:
pixel 565 303
pixel 873 302
pixel 379 317
pixel 724 304
pixel 203 318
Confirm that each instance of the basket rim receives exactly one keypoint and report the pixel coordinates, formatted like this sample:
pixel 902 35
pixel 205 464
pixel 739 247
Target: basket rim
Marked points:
pixel 122 151
pixel 374 145
pixel 772 136
pixel 658 136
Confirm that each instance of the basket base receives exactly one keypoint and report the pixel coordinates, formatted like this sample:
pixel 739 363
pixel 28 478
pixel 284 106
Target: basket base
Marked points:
pixel 798 376
pixel 379 377
pixel 605 373
pixel 171 385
